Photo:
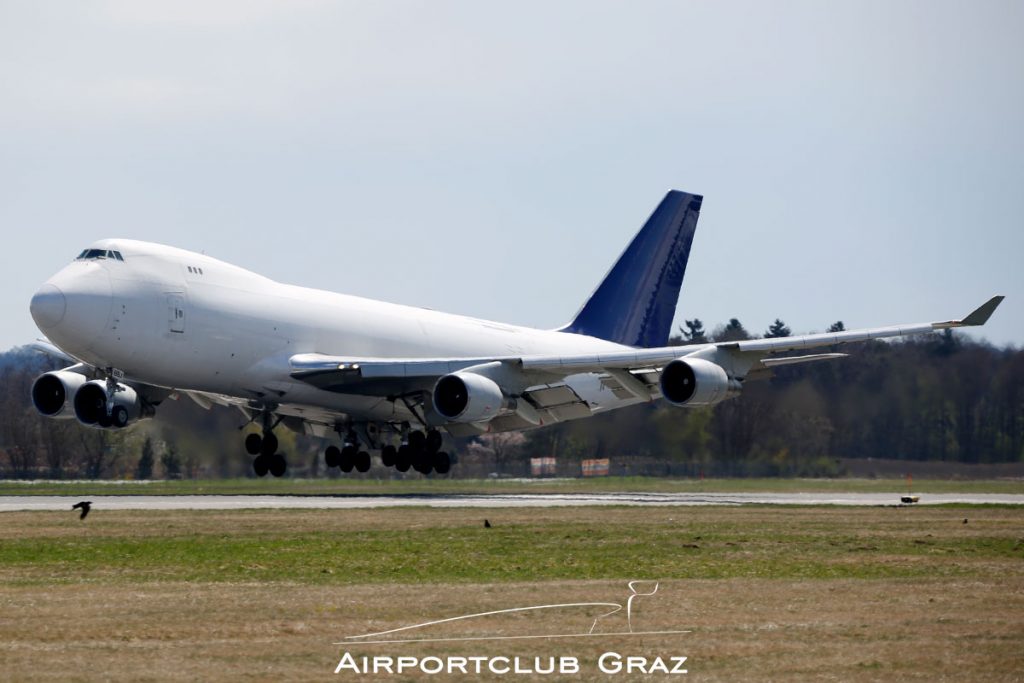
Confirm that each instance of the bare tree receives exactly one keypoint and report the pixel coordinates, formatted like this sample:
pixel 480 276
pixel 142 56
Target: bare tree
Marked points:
pixel 57 438
pixel 500 447
pixel 99 452
pixel 19 430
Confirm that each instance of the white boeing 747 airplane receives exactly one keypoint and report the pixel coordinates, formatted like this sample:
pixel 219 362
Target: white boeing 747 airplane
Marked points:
pixel 142 322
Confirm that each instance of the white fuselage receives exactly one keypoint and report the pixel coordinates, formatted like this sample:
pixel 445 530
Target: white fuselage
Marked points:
pixel 182 320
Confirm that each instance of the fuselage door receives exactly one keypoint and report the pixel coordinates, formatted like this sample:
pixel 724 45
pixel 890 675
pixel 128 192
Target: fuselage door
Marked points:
pixel 176 313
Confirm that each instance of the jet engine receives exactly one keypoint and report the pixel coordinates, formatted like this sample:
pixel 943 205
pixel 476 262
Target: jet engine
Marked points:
pixel 91 405
pixel 695 382
pixel 467 397
pixel 53 394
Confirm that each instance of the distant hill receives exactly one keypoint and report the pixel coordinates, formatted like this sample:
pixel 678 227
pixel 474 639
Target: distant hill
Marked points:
pixel 21 356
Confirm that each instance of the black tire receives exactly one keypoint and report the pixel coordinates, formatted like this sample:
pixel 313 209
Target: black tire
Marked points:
pixel 423 462
pixel 442 463
pixel 260 465
pixel 417 441
pixel 332 456
pixel 253 442
pixel 348 458
pixel 278 465
pixel 269 445
pixel 105 421
pixel 434 441
pixel 363 461
pixel 388 456
pixel 403 460
pixel 119 417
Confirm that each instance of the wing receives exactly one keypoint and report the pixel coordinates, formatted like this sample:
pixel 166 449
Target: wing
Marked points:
pixel 642 358
pixel 540 386
pixel 46 347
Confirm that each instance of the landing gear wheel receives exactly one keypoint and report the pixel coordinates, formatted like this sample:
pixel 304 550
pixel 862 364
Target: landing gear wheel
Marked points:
pixel 332 456
pixel 278 465
pixel 363 461
pixel 253 442
pixel 260 465
pixel 422 462
pixel 348 458
pixel 119 417
pixel 105 421
pixel 269 445
pixel 442 463
pixel 434 441
pixel 388 455
pixel 417 441
pixel 403 460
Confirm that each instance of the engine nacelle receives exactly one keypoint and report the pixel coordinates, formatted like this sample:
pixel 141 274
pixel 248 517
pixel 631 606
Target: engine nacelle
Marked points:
pixel 91 405
pixel 695 382
pixel 53 394
pixel 467 397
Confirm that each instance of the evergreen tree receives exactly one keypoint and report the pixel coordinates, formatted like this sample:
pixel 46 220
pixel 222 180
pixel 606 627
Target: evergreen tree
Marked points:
pixel 732 331
pixel 837 326
pixel 777 329
pixel 144 469
pixel 171 462
pixel 694 332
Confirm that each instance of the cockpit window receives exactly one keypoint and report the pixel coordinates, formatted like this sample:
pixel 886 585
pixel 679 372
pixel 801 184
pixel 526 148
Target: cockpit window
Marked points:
pixel 97 254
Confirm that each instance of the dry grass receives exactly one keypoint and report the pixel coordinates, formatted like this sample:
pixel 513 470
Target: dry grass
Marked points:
pixel 115 621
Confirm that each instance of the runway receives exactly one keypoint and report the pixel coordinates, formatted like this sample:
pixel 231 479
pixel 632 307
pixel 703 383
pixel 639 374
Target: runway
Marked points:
pixel 343 502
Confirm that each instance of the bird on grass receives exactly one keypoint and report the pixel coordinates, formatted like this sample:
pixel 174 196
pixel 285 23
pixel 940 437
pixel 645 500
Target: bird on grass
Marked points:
pixel 487 524
pixel 85 505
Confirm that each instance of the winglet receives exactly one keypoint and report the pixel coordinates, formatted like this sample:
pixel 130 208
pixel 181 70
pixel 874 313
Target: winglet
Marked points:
pixel 981 314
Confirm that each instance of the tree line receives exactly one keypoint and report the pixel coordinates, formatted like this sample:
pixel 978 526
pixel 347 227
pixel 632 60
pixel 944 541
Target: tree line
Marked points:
pixel 940 397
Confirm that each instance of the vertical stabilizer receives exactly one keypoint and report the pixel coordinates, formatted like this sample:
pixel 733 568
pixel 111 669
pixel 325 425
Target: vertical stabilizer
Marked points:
pixel 636 301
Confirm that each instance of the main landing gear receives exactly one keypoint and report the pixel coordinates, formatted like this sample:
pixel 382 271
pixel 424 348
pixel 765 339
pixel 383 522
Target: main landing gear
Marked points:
pixel 349 457
pixel 419 451
pixel 267 459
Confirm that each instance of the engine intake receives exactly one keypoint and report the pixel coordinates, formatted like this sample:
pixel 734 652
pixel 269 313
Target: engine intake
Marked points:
pixel 91 405
pixel 53 394
pixel 695 382
pixel 467 397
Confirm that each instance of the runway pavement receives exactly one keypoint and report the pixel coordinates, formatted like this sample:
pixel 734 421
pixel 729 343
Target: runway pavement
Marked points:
pixel 239 502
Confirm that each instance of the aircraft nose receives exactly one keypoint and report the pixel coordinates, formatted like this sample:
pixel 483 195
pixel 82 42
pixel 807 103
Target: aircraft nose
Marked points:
pixel 48 306
pixel 74 306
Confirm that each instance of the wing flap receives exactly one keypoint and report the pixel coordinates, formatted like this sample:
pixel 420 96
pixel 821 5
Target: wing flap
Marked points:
pixel 795 360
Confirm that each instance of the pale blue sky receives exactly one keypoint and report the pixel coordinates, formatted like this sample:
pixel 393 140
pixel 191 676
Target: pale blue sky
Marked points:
pixel 861 161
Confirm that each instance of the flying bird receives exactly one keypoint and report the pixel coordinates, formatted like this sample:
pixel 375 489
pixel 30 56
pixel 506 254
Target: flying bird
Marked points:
pixel 86 505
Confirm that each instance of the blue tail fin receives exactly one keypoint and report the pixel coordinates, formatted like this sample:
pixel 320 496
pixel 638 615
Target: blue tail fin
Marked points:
pixel 636 301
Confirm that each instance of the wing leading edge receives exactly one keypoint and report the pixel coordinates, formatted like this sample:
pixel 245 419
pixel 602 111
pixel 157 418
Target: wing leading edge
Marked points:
pixel 344 373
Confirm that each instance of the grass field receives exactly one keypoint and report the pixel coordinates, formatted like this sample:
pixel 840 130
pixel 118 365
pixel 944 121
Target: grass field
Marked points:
pixel 417 485
pixel 768 593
